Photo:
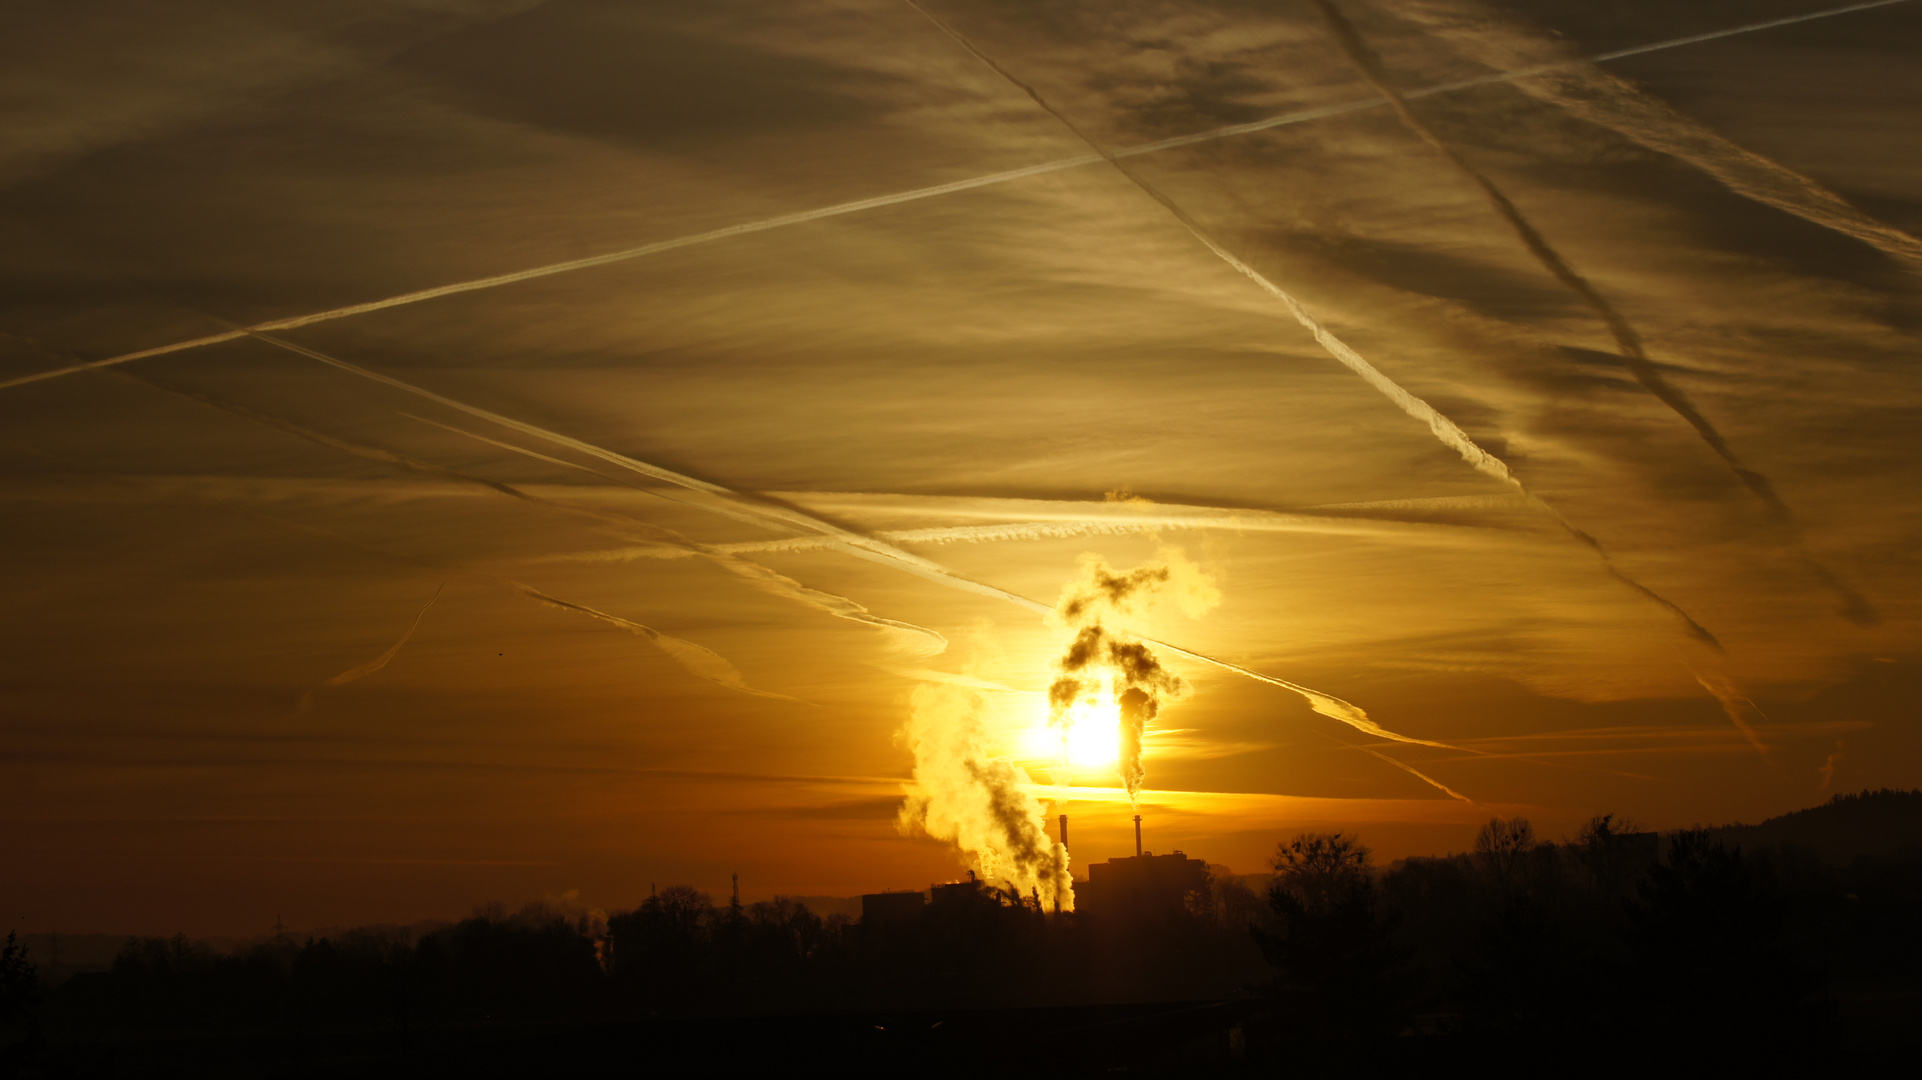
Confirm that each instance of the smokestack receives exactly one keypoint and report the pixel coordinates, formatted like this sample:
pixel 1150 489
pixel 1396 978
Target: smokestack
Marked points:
pixel 1064 830
pixel 1137 836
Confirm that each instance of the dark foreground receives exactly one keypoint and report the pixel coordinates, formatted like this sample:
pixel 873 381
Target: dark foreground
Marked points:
pixel 1615 951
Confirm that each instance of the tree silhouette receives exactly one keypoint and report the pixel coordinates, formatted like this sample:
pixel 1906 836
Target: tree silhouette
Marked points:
pixel 22 1043
pixel 1338 977
pixel 1708 927
pixel 1505 849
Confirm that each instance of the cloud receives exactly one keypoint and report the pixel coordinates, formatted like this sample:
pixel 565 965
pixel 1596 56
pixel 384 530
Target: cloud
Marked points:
pixel 1605 99
pixel 1627 340
pixel 1445 430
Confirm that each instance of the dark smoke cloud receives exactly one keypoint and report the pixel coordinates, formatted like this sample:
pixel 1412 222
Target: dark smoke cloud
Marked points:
pixel 1101 658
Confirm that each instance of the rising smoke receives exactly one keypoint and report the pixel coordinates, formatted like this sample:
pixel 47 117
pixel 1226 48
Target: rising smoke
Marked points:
pixel 1105 663
pixel 981 804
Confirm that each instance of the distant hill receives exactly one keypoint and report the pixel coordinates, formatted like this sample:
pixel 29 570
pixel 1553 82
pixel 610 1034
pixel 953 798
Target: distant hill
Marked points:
pixel 1868 823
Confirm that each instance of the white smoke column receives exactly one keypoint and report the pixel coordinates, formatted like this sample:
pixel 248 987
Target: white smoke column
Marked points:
pixel 981 804
pixel 1827 771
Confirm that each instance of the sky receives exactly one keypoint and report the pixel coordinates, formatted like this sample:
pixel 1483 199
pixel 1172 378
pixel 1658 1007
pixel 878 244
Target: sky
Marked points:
pixel 456 450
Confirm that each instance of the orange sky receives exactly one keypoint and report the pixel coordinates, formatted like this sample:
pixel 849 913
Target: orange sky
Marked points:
pixel 666 505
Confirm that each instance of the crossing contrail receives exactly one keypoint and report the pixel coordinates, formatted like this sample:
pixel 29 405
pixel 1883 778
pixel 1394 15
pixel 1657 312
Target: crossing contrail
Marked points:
pixel 912 638
pixel 362 671
pixel 1445 430
pixel 1606 100
pixel 1627 341
pixel 744 508
pixel 698 659
pixel 1410 770
pixel 1738 168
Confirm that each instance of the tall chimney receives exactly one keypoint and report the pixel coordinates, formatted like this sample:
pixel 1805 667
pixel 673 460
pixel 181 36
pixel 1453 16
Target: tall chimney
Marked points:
pixel 1137 836
pixel 1064 830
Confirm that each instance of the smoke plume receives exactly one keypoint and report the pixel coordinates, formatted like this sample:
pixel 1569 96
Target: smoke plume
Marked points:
pixel 1105 666
pixel 982 805
pixel 1827 771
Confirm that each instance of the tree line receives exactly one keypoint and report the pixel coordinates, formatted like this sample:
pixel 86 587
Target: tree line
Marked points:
pixel 1611 937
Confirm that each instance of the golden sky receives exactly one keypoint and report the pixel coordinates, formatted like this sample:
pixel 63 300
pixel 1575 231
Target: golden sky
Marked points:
pixel 797 344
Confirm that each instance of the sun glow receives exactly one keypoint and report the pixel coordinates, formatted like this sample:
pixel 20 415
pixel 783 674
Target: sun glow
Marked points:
pixel 1092 736
pixel 1087 736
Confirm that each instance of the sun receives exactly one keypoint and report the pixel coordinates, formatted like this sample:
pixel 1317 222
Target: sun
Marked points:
pixel 1092 737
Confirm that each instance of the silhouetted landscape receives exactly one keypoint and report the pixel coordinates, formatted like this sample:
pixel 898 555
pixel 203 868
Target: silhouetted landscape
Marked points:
pixel 1799 939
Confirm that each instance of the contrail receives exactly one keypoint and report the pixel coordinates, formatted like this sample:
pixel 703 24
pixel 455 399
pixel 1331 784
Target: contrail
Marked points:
pixel 1441 426
pixel 1326 704
pixel 1410 770
pixel 698 660
pixel 1607 100
pixel 307 699
pixel 913 638
pixel 741 508
pixel 1627 341
pixel 1815 202
pixel 704 662
pixel 1735 704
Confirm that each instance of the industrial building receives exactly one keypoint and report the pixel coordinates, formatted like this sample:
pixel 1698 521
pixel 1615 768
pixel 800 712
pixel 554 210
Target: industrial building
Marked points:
pixel 1144 886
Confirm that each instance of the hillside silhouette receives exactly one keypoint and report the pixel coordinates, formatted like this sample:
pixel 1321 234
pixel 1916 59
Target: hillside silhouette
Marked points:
pixel 1882 823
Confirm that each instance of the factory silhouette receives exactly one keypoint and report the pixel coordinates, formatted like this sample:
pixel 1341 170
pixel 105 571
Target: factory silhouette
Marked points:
pixel 1794 942
pixel 1144 886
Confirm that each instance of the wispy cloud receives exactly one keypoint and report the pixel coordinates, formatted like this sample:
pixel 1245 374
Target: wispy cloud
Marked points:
pixel 745 508
pixel 1628 341
pixel 1527 74
pixel 1587 91
pixel 1444 429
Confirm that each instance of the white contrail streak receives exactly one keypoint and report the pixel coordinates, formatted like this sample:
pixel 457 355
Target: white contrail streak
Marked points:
pixel 1441 426
pixel 307 699
pixel 1326 704
pixel 741 507
pixel 1607 100
pixel 1412 771
pixel 910 637
pixel 702 661
pixel 1821 201
pixel 1736 705
pixel 1628 342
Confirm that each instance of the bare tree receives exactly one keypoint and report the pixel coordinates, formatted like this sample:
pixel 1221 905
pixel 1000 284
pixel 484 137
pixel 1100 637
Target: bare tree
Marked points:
pixel 1503 847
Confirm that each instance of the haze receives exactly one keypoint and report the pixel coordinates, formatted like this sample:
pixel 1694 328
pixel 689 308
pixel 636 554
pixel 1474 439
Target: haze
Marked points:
pixel 382 614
